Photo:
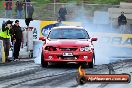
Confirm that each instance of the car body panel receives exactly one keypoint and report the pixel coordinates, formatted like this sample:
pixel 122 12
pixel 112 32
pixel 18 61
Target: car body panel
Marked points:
pixel 67 42
pixel 58 56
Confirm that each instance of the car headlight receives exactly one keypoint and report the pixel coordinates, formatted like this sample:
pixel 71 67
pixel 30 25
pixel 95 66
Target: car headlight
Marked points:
pixel 82 49
pixel 87 48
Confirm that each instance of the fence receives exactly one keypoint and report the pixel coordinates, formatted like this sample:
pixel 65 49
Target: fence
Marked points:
pixel 50 11
pixel 8 9
pixel 76 12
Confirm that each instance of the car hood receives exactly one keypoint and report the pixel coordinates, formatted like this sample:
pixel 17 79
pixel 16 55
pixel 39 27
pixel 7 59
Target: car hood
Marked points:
pixel 68 42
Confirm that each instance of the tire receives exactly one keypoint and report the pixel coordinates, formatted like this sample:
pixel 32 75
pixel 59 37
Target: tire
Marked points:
pixel 91 64
pixel 32 55
pixel 43 63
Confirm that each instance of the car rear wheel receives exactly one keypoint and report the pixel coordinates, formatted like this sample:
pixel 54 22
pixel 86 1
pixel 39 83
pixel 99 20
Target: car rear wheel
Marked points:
pixel 91 64
pixel 43 62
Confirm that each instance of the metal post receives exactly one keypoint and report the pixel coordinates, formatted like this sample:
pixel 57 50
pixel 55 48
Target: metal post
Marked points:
pixel 26 9
pixel 54 6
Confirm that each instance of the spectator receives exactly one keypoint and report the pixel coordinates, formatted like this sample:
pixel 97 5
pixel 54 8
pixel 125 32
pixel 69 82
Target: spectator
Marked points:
pixel 19 9
pixel 30 11
pixel 62 13
pixel 26 6
pixel 27 2
pixel 17 38
pixel 122 21
pixel 5 36
pixel 8 4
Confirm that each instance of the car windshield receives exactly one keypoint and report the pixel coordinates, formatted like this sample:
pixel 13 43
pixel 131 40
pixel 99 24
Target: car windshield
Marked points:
pixel 68 34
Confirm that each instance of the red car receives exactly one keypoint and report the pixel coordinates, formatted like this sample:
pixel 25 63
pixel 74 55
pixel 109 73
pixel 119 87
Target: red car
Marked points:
pixel 68 44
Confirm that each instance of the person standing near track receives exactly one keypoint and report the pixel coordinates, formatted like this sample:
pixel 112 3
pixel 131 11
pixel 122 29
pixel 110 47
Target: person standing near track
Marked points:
pixel 62 13
pixel 19 9
pixel 8 4
pixel 30 11
pixel 17 39
pixel 5 35
pixel 122 21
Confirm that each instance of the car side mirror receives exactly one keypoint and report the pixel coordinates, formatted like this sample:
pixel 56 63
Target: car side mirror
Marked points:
pixel 42 38
pixel 94 39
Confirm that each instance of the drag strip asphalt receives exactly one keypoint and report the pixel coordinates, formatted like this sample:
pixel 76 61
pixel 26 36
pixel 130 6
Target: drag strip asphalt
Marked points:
pixel 63 75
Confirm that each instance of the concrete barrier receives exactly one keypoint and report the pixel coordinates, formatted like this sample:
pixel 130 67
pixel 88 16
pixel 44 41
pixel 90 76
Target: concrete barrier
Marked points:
pixel 115 15
pixel 128 16
pixel 119 10
pixel 125 5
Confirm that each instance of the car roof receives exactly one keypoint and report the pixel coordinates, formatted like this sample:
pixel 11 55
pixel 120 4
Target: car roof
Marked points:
pixel 75 27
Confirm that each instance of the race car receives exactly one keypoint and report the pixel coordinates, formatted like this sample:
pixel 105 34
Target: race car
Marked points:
pixel 68 44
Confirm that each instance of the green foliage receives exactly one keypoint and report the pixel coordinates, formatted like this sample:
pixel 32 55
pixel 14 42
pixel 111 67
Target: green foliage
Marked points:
pixel 44 10
pixel 78 1
pixel 63 1
pixel 1 5
pixel 94 1
pixel 41 1
pixel 107 1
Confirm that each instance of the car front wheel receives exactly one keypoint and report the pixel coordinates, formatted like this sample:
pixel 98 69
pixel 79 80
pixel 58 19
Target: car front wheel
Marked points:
pixel 91 64
pixel 43 62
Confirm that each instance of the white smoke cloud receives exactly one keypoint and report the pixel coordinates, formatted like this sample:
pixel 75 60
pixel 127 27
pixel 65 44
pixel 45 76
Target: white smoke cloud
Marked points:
pixel 104 54
pixel 37 51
